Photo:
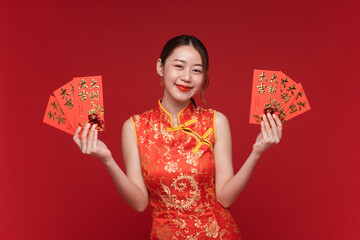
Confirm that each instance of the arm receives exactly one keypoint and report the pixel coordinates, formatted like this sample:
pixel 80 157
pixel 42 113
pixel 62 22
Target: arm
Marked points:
pixel 131 186
pixel 227 185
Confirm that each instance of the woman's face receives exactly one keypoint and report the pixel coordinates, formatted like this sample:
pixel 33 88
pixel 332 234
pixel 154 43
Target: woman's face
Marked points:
pixel 182 73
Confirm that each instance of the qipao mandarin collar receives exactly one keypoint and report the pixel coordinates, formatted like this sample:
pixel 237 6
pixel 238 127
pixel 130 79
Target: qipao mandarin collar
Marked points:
pixel 185 115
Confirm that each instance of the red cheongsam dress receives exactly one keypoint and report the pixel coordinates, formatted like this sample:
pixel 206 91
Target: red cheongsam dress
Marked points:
pixel 179 172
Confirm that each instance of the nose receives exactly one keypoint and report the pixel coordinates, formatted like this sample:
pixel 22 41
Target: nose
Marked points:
pixel 186 76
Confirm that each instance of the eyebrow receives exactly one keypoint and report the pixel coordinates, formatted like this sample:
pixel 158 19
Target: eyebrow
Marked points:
pixel 185 62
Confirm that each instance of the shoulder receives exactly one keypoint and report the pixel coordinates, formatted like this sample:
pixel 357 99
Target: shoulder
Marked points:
pixel 221 119
pixel 222 126
pixel 128 133
pixel 128 123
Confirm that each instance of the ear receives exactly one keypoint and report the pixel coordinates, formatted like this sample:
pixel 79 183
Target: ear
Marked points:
pixel 159 68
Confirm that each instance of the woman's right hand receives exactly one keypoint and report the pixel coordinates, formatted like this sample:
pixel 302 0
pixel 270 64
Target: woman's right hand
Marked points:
pixel 91 144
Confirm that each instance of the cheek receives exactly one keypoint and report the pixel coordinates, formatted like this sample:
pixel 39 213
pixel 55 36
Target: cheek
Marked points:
pixel 200 82
pixel 170 74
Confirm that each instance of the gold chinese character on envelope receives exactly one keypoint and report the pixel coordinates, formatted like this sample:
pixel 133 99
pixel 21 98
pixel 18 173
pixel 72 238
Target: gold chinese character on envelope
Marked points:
pixel 81 101
pixel 55 116
pixel 276 93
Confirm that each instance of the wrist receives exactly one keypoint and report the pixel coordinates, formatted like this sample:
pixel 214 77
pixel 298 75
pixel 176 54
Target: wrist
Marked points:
pixel 108 160
pixel 256 153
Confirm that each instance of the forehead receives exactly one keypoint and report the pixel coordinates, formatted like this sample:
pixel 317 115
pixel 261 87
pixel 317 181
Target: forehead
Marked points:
pixel 186 53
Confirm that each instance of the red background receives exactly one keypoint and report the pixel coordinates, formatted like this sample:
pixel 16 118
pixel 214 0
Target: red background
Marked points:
pixel 307 187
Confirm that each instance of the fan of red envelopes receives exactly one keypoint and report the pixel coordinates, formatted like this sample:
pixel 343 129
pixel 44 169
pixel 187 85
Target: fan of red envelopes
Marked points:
pixel 274 92
pixel 75 104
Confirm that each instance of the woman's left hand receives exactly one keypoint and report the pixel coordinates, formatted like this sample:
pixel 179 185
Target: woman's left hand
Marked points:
pixel 271 133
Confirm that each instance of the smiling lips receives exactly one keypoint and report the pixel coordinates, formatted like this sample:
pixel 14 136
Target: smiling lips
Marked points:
pixel 183 88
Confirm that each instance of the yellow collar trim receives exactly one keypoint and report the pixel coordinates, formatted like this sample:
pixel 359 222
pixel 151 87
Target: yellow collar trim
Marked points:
pixel 184 127
pixel 171 123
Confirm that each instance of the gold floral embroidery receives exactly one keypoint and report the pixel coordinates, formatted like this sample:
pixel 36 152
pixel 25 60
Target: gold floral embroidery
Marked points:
pixel 164 151
pixel 160 131
pixel 179 222
pixel 180 182
pixel 212 228
pixel 164 233
pixel 171 166
pixel 149 144
pixel 192 158
pixel 149 166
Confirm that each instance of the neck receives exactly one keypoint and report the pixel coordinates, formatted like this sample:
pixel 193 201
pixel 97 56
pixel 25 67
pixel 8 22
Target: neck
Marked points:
pixel 173 108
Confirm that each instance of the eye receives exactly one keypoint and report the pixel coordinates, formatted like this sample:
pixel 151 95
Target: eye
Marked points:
pixel 197 71
pixel 178 66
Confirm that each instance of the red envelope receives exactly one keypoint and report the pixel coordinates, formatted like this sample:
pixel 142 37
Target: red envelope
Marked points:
pixel 288 90
pixel 275 92
pixel 299 105
pixel 54 116
pixel 82 101
pixel 266 95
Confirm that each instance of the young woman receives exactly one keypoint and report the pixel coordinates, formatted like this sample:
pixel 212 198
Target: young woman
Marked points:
pixel 178 156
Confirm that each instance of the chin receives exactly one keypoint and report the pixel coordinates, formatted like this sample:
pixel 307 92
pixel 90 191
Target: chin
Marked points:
pixel 184 97
pixel 180 97
pixel 182 100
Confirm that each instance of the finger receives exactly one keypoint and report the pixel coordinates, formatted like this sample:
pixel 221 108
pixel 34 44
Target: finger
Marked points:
pixel 267 127
pixel 94 141
pixel 279 125
pixel 263 129
pixel 89 140
pixel 76 137
pixel 274 129
pixel 83 138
